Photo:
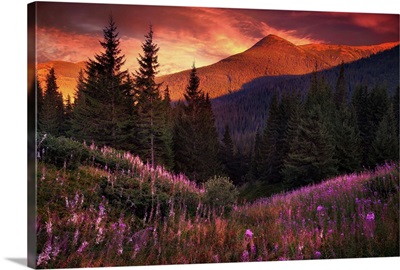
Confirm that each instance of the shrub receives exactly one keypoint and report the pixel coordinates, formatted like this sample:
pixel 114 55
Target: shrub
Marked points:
pixel 61 151
pixel 220 193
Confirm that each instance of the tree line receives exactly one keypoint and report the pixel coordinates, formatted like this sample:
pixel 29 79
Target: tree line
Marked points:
pixel 130 111
pixel 326 133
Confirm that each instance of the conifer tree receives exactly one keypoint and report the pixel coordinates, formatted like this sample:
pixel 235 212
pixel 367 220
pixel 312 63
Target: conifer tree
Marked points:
pixel 209 142
pixel 372 108
pixel 150 120
pixel 79 115
pixel 39 95
pixel 39 100
pixel 52 111
pixel 310 157
pixel 396 108
pixel 68 112
pixel 360 103
pixel 341 88
pixel 347 137
pixel 227 153
pixel 256 161
pixel 104 103
pixel 167 130
pixel 270 146
pixel 196 137
pixel 385 146
pixel 347 141
pixel 181 139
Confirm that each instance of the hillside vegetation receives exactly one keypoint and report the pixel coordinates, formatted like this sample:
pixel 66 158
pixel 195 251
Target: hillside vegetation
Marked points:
pixel 102 207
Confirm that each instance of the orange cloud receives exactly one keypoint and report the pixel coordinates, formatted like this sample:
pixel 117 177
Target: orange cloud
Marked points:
pixel 376 22
pixel 54 44
pixel 200 35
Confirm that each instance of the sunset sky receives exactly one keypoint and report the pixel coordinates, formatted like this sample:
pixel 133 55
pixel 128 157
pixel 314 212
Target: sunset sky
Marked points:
pixel 71 32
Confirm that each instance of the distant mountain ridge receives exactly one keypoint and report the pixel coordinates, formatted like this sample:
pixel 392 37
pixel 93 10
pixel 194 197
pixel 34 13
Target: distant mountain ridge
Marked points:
pixel 271 56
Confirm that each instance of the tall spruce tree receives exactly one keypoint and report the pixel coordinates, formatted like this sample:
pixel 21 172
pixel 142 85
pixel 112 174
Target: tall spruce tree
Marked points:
pixel 273 144
pixel 360 102
pixel 341 88
pixel 269 146
pixel 310 157
pixel 68 112
pixel 396 108
pixel 385 146
pixel 152 141
pixel 210 142
pixel 39 100
pixel 256 159
pixel 104 103
pixel 196 138
pixel 80 112
pixel 347 137
pixel 52 111
pixel 167 130
pixel 181 138
pixel 347 141
pixel 227 154
pixel 378 104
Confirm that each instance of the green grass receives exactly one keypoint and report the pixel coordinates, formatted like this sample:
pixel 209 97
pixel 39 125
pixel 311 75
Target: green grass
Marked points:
pixel 250 192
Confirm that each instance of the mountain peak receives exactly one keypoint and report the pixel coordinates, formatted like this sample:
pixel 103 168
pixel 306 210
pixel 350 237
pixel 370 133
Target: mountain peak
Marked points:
pixel 272 40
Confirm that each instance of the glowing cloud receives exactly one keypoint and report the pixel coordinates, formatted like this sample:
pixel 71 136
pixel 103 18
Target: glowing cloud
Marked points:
pixel 201 35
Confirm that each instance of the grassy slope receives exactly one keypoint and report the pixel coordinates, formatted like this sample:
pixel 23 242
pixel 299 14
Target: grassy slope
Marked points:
pixel 93 215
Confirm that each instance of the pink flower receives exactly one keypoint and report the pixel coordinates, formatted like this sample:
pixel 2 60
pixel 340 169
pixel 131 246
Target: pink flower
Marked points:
pixel 248 234
pixel 370 216
pixel 253 249
pixel 245 256
pixel 320 208
pixel 82 247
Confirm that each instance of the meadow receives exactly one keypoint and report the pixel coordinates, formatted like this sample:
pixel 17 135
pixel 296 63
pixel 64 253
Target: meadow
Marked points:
pixel 102 207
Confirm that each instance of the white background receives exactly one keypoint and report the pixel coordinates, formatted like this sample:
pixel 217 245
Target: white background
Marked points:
pixel 13 142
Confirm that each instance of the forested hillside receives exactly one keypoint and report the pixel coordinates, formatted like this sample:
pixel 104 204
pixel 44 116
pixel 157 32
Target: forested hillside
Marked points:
pixel 246 111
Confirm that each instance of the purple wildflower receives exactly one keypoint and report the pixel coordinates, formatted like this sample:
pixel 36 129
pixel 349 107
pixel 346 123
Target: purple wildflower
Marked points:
pixel 49 226
pixel 370 216
pixel 76 235
pixel 136 250
pixel 320 208
pixel 248 234
pixel 44 257
pixel 216 258
pixel 253 249
pixel 245 256
pixel 56 247
pixel 82 247
pixel 317 254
